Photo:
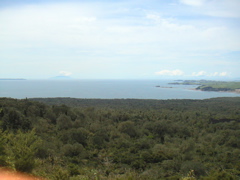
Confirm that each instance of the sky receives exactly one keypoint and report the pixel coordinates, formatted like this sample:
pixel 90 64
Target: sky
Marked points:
pixel 120 39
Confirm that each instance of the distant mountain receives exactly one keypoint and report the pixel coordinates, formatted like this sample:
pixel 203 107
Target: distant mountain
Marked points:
pixel 61 77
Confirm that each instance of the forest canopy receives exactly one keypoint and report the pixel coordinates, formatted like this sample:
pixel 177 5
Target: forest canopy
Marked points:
pixel 67 138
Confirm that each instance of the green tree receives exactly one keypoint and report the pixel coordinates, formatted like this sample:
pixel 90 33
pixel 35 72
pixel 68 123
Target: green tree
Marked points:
pixel 14 120
pixel 128 128
pixel 2 147
pixel 64 122
pixel 20 150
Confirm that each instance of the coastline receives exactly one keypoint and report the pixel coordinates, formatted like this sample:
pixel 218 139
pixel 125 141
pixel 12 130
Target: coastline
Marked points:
pixel 237 91
pixel 213 86
pixel 107 89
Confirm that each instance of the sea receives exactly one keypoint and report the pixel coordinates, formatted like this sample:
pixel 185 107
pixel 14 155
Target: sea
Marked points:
pixel 104 89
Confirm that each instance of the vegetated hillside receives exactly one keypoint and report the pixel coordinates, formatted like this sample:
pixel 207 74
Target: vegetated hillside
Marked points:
pixel 208 85
pixel 65 138
pixel 220 86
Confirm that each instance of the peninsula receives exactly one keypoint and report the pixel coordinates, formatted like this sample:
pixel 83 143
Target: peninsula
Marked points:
pixel 209 85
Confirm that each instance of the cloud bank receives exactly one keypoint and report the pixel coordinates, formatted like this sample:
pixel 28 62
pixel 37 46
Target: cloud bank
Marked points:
pixel 178 72
pixel 170 73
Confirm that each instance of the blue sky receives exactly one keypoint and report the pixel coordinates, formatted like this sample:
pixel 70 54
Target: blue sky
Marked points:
pixel 144 39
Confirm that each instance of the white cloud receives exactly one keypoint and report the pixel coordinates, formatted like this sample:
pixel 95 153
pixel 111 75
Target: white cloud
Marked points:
pixel 176 72
pixel 105 33
pixel 200 73
pixel 65 73
pixel 168 23
pixel 193 2
pixel 223 74
pixel 94 31
pixel 215 74
pixel 204 73
pixel 216 8
pixel 41 26
pixel 223 8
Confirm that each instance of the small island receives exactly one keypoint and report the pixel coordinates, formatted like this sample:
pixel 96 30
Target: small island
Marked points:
pixel 209 85
pixel 163 86
pixel 12 79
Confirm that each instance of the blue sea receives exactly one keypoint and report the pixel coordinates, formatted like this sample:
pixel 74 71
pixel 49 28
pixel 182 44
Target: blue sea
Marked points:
pixel 104 89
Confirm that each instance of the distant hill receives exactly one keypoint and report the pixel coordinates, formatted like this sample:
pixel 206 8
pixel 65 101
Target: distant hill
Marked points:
pixel 210 85
pixel 61 77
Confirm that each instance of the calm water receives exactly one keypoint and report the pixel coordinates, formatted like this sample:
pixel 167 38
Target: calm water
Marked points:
pixel 104 89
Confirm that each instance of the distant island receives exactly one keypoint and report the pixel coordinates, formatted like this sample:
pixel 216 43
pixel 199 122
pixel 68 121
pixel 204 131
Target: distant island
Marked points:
pixel 209 85
pixel 61 77
pixel 12 79
pixel 163 86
